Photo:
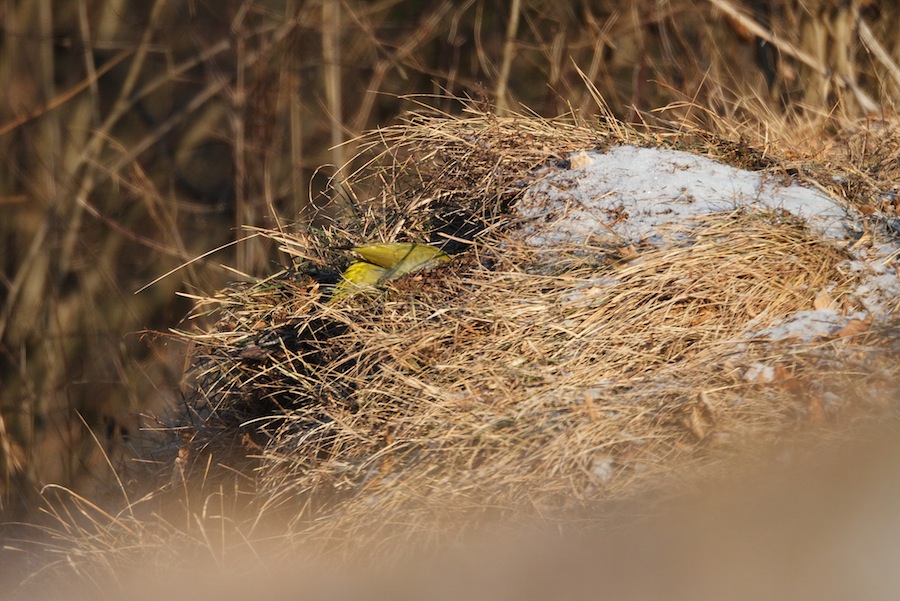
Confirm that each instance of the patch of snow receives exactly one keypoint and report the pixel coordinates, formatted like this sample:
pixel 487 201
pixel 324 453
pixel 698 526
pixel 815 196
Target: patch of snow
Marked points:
pixel 759 373
pixel 806 326
pixel 628 195
pixel 632 193
pixel 603 468
pixel 879 288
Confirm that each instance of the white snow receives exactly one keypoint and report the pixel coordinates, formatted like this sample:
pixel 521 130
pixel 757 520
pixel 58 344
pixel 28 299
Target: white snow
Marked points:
pixel 629 194
pixel 806 326
pixel 759 373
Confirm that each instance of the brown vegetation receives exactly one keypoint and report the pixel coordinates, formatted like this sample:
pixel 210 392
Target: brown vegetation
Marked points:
pixel 138 136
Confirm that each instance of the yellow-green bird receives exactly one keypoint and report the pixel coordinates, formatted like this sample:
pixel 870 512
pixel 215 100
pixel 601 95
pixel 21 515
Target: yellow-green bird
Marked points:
pixel 386 261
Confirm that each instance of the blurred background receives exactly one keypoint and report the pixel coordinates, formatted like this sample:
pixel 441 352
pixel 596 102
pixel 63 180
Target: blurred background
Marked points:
pixel 137 135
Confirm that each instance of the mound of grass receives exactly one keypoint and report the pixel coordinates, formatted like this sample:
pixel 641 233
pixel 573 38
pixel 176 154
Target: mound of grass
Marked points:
pixel 512 382
pixel 516 377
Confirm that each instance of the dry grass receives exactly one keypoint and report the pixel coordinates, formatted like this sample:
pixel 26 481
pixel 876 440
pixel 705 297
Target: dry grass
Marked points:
pixel 511 380
pixel 507 385
pixel 496 385
pixel 140 135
